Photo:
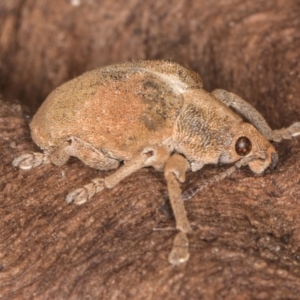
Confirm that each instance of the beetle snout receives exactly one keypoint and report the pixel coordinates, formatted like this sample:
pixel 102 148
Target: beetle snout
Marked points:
pixel 269 160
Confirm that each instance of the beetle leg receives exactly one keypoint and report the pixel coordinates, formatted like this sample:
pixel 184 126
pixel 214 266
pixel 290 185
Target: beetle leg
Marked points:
pixel 175 170
pixel 180 250
pixel 255 118
pixel 190 193
pixel 150 156
pixel 246 110
pixel 84 151
pixel 72 147
pixel 31 160
pixel 287 133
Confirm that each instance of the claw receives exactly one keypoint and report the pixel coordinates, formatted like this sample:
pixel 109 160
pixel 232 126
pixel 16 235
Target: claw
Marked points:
pixel 22 162
pixel 180 250
pixel 28 161
pixel 79 196
pixel 294 129
pixel 286 133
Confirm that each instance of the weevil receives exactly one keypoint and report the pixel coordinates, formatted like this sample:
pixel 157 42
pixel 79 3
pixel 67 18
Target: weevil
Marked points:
pixel 150 113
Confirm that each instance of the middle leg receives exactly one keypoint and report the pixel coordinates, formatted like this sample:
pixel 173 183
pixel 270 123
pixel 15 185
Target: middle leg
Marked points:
pixel 151 156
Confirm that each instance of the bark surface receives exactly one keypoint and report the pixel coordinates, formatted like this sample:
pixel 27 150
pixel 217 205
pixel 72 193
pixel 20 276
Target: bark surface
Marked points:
pixel 246 230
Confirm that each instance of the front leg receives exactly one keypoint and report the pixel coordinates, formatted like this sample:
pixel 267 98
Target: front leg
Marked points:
pixel 255 118
pixel 175 170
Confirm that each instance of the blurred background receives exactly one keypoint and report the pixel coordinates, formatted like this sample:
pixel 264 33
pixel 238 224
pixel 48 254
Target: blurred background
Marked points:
pixel 247 47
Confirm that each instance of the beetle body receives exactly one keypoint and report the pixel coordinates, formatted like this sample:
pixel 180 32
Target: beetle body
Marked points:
pixel 119 109
pixel 124 108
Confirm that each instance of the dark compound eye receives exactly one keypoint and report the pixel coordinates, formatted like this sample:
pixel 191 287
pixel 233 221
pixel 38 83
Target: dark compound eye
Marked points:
pixel 243 146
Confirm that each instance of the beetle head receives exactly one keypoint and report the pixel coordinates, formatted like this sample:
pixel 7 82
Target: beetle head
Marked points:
pixel 207 132
pixel 249 142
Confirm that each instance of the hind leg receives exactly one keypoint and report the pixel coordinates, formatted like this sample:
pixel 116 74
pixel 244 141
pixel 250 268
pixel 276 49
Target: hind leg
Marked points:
pixel 72 147
pixel 31 160
pixel 84 151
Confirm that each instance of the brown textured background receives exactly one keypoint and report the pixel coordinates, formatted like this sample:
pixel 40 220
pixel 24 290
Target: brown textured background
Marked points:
pixel 246 238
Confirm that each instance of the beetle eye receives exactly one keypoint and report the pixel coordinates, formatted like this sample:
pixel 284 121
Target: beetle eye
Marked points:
pixel 243 146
